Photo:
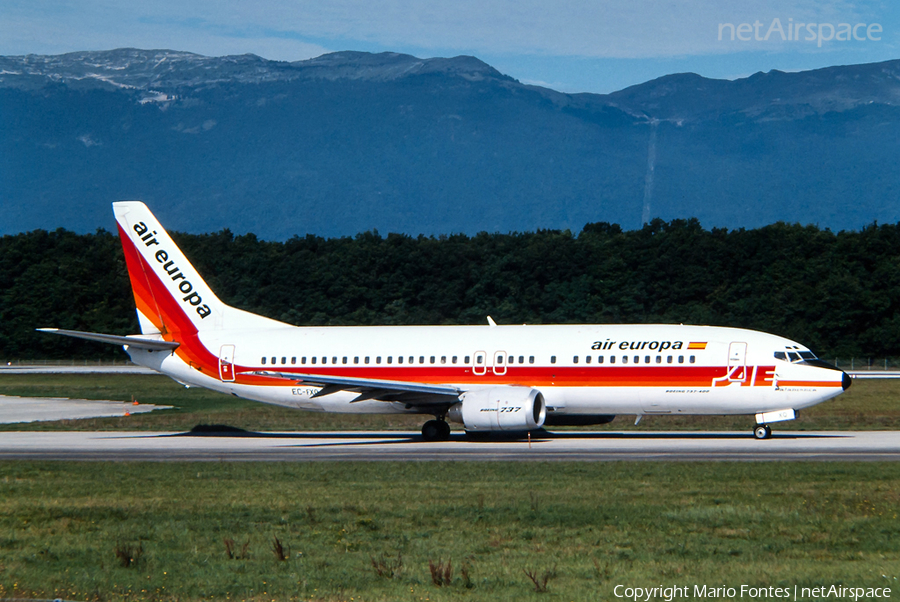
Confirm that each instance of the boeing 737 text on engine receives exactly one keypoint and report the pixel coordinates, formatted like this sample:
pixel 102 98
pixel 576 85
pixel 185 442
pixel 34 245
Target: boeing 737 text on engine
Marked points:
pixel 487 378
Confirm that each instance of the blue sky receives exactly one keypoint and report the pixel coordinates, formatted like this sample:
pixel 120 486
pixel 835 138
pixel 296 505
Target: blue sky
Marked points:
pixel 572 46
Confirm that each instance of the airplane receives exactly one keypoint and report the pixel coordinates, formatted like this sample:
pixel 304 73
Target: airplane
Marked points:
pixel 489 378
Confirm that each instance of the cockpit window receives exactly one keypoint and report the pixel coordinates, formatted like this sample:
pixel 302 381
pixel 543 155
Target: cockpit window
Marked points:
pixel 794 356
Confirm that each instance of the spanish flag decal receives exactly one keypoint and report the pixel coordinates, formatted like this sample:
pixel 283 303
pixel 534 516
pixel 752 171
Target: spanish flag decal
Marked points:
pixel 697 345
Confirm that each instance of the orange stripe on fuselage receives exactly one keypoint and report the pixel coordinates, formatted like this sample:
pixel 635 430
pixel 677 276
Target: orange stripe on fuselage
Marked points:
pixel 809 383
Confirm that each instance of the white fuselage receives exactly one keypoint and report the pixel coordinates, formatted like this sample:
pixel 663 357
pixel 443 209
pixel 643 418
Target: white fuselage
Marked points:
pixel 579 369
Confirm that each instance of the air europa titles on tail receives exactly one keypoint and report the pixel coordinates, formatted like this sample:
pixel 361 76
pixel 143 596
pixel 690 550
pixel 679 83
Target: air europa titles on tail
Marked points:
pixel 487 378
pixel 172 270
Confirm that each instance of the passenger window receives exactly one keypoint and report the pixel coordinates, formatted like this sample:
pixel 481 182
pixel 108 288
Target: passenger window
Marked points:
pixel 669 359
pixel 314 359
pixel 431 359
pixel 263 361
pixel 599 359
pixel 303 360
pixel 478 359
pixel 377 359
pixel 587 359
pixel 356 360
pixel 680 359
pixel 624 359
pixel 443 359
pixel 283 361
pixel 390 359
pixel 693 359
pixel 324 360
pixel 273 361
pixel 453 359
pixel 334 360
pixel 521 359
pixel 412 360
pixel 421 359
pixel 530 359
pixel 552 359
pixel 575 360
pixel 467 360
pixel 512 359
pixel 293 360
pixel 499 359
pixel 658 359
pixel 399 359
pixel 637 359
pixel 367 359
pixel 344 360
pixel 612 359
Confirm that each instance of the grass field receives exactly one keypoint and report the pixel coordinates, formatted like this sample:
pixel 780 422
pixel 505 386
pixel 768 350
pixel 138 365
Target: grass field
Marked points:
pixel 585 527
pixel 868 404
pixel 357 531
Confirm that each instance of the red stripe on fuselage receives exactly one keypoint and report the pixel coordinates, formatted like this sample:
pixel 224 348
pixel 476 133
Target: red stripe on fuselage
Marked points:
pixel 532 376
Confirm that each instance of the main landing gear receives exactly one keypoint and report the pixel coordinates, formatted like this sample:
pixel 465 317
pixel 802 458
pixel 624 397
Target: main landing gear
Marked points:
pixel 762 431
pixel 436 430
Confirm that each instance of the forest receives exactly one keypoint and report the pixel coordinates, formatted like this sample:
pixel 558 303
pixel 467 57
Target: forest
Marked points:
pixel 838 293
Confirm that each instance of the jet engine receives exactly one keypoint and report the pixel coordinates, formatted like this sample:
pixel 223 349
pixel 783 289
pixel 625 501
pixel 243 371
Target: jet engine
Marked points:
pixel 503 408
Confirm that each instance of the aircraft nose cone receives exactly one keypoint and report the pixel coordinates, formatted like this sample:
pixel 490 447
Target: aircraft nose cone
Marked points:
pixel 846 381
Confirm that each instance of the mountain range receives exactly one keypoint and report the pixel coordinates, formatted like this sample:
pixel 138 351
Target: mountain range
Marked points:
pixel 350 142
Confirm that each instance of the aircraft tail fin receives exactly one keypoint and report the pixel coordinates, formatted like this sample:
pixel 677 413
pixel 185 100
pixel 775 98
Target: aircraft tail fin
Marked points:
pixel 169 293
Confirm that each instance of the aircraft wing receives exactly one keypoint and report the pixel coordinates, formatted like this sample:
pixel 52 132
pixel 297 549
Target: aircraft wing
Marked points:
pixel 412 393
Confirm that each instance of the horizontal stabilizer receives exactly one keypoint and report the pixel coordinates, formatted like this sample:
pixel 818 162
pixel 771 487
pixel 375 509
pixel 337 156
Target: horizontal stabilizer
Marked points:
pixel 131 341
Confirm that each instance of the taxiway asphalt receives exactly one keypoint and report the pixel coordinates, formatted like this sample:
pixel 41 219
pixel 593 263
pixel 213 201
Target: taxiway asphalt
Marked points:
pixel 409 446
pixel 15 409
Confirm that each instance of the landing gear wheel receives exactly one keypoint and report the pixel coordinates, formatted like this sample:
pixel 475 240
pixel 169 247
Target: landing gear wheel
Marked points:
pixel 435 430
pixel 762 431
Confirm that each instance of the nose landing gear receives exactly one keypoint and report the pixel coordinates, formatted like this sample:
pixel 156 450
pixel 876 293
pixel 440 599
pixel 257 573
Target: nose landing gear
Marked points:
pixel 762 431
pixel 436 430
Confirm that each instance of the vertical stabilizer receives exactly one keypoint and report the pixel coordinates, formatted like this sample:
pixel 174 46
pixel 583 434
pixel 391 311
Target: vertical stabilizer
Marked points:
pixel 169 293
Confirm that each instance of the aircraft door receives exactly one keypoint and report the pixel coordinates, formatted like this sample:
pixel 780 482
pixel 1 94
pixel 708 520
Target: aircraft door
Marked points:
pixel 479 363
pixel 737 362
pixel 226 363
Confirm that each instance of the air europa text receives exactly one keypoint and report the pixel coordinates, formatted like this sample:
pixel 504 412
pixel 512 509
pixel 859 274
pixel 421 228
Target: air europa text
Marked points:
pixel 637 345
pixel 190 295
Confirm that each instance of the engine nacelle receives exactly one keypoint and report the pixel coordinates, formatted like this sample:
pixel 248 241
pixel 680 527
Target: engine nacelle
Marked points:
pixel 500 409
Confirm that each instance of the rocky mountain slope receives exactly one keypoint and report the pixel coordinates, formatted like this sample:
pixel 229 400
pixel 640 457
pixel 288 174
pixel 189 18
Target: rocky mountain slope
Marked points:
pixel 352 141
